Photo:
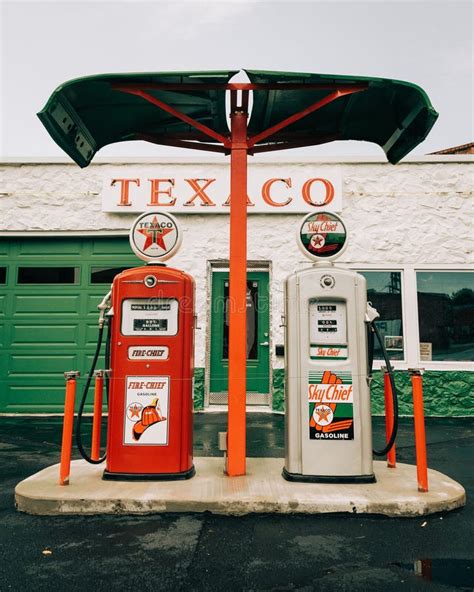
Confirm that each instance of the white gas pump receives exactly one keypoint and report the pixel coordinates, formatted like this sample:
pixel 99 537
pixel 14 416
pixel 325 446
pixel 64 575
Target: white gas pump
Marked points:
pixel 328 338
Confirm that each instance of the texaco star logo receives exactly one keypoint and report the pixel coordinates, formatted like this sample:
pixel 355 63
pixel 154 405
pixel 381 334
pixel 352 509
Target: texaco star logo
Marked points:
pixel 134 411
pixel 317 241
pixel 323 415
pixel 155 234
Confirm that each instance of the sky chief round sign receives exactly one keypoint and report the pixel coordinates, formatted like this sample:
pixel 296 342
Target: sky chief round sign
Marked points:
pixel 322 236
pixel 155 236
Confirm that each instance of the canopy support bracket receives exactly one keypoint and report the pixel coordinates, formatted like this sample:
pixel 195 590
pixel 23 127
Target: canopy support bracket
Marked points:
pixel 297 116
pixel 158 103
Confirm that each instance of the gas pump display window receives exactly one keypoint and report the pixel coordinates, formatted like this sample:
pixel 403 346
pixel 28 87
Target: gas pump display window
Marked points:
pixel 327 329
pixel 142 316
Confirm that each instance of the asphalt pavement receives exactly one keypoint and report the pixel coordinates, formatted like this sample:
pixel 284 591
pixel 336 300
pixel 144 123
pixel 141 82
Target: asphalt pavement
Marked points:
pixel 345 552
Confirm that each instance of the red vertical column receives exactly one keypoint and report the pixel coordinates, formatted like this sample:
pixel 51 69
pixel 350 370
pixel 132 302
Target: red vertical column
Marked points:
pixel 97 420
pixel 68 427
pixel 236 428
pixel 419 424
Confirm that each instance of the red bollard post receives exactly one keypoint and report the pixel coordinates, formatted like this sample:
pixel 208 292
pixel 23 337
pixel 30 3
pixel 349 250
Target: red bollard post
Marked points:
pixel 420 434
pixel 68 424
pixel 97 419
pixel 389 417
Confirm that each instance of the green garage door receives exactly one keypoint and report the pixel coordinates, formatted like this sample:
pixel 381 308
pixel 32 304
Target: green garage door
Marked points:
pixel 49 291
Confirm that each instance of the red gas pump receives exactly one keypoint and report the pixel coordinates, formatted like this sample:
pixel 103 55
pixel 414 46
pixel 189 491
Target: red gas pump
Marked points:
pixel 151 359
pixel 150 350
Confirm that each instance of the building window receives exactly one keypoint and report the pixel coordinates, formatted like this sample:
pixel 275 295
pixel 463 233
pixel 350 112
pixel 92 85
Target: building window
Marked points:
pixel 105 275
pixel 3 275
pixel 384 292
pixel 48 275
pixel 446 315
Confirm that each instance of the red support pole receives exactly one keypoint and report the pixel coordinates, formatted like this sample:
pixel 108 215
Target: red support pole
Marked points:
pixel 236 427
pixel 97 419
pixel 420 434
pixel 389 417
pixel 68 424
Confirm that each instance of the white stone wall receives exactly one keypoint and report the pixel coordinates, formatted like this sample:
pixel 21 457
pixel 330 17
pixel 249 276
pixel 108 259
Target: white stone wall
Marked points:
pixel 412 213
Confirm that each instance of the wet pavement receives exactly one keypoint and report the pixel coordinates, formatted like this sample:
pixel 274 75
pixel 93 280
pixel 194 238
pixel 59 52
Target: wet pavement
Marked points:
pixel 255 552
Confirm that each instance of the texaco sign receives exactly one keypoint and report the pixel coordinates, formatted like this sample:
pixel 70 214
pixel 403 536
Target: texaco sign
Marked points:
pixel 204 189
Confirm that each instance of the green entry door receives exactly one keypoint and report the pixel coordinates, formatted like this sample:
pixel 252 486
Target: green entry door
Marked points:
pixel 258 338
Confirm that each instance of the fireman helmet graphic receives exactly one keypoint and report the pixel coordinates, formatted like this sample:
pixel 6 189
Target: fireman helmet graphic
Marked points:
pixel 151 414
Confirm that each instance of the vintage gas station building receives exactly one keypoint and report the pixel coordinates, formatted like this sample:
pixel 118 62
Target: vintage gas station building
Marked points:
pixel 64 235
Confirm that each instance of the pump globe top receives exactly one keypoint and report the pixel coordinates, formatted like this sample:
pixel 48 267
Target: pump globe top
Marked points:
pixel 155 236
pixel 322 236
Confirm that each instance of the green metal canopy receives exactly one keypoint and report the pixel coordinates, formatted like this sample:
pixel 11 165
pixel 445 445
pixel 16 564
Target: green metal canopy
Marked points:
pixel 188 109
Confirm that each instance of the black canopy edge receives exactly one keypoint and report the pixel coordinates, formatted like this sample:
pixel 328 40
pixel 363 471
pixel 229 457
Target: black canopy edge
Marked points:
pixel 68 130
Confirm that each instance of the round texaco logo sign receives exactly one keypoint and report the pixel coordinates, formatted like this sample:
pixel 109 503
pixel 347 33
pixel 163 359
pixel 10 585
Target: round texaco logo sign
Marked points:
pixel 322 236
pixel 155 236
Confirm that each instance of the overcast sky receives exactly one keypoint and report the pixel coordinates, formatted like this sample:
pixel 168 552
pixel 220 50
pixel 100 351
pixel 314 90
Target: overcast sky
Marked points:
pixel 44 44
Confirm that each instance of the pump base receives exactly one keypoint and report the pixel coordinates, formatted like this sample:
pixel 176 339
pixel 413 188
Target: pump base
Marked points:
pixel 108 476
pixel 328 478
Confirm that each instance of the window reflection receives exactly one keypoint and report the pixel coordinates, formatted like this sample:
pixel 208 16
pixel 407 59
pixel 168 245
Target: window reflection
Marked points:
pixel 105 275
pixel 384 292
pixel 446 315
pixel 48 275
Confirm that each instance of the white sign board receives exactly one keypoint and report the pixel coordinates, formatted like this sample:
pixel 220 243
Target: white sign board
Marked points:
pixel 146 411
pixel 204 189
pixel 154 352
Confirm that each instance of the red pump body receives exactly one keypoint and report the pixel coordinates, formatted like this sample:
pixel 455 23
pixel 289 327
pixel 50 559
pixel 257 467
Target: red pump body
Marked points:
pixel 150 426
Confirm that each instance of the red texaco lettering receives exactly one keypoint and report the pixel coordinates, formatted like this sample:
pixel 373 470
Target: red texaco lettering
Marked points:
pixel 306 192
pixel 199 192
pixel 156 192
pixel 266 192
pixel 125 189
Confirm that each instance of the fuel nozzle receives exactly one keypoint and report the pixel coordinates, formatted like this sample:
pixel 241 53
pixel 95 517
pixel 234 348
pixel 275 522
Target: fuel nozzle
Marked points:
pixel 371 313
pixel 103 307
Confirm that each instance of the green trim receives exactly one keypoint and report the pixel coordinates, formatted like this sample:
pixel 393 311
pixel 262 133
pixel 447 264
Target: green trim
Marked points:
pixel 198 389
pixel 446 394
pixel 328 357
pixel 278 383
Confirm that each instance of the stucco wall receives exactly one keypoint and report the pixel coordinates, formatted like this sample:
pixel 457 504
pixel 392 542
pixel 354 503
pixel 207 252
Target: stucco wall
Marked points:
pixel 417 212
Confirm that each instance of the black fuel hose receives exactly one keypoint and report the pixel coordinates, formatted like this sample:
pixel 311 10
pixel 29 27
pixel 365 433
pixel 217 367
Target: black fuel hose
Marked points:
pixel 107 357
pixel 393 435
pixel 80 447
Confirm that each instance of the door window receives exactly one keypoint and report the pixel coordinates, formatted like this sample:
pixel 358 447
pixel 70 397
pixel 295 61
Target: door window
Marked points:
pixel 252 321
